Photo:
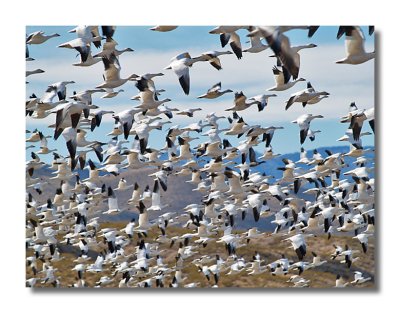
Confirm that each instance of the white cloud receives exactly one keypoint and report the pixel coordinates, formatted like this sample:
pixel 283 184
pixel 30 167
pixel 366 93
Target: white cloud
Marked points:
pixel 252 75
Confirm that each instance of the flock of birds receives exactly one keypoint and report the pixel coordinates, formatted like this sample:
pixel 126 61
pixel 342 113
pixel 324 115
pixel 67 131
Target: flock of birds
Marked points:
pixel 227 176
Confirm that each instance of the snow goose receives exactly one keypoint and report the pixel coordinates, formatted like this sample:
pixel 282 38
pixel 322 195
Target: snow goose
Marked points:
pixel 359 278
pixel 363 239
pixel 288 171
pixel 235 186
pixel 90 60
pixel 143 221
pixel 240 103
pixel 97 266
pixel 281 220
pixel 43 145
pixel 126 118
pixel 228 35
pixel 304 96
pixel 358 119
pixel 340 283
pixel 212 58
pixel 213 133
pixel 237 267
pixel 348 136
pixel 180 66
pixel 88 34
pixel 256 267
pixel 145 82
pixel 301 266
pixel 35 136
pixel 304 123
pixel 269 134
pixel 256 45
pixel 348 256
pixel 84 96
pixel 80 269
pixel 163 28
pixel 280 45
pixel 316 260
pixel 97 117
pixel 234 42
pixel 311 134
pixel 39 37
pixel 214 92
pixel 123 185
pixel 294 51
pixel 262 100
pixel 298 281
pixel 68 115
pixel 109 50
pixel 337 252
pixel 37 71
pixel 108 31
pixel 188 112
pixel 279 269
pixel 79 45
pixel 69 134
pixel 311 29
pixel 299 244
pixel 110 93
pixel 149 101
pixel 27 58
pixel 111 75
pixel 359 173
pixel 282 79
pixel 31 282
pixel 136 193
pixel 60 89
pixel 354 45
pixel 252 233
pixel 104 280
pixel 317 99
pixel 155 198
pixel 268 154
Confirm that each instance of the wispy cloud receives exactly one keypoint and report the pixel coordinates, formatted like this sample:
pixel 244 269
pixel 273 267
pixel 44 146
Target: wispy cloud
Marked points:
pixel 252 75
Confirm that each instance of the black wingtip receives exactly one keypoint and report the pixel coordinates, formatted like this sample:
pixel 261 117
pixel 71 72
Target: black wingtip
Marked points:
pixel 185 84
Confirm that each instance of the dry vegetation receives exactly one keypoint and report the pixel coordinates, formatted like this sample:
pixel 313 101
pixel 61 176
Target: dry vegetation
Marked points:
pixel 270 249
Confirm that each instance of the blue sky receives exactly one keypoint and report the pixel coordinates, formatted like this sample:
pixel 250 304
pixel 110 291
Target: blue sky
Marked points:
pixel 252 75
pixel 210 12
